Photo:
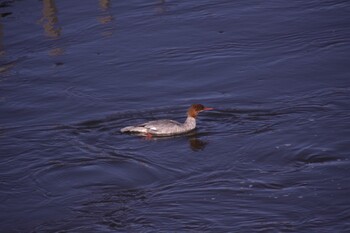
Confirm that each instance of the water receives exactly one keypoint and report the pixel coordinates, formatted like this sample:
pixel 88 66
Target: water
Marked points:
pixel 272 157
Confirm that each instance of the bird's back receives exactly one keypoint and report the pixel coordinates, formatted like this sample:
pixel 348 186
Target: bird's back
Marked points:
pixel 162 127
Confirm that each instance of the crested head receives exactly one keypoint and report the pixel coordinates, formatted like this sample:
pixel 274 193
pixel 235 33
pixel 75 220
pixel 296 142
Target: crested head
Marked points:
pixel 195 109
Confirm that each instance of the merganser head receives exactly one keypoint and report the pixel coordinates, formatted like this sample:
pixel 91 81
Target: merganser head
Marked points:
pixel 195 109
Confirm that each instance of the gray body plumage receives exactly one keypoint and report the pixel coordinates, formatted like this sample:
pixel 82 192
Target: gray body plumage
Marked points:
pixel 163 127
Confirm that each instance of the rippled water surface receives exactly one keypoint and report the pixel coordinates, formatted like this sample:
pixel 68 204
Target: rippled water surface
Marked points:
pixel 272 157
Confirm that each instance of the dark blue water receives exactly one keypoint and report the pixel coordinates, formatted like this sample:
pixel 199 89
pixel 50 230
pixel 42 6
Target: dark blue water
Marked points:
pixel 272 157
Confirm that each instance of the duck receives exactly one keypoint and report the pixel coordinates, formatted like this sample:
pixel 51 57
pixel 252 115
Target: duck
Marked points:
pixel 167 127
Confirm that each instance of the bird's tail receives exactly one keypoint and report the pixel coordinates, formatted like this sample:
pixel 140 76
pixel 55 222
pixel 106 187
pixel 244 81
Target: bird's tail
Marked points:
pixel 135 129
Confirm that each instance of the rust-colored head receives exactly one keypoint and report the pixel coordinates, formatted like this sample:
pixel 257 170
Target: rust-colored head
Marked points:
pixel 195 109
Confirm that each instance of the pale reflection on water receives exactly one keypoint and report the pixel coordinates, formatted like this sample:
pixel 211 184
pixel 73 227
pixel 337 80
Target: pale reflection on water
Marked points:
pixel 160 7
pixel 50 19
pixel 51 25
pixel 53 30
pixel 2 50
pixel 104 4
pixel 106 18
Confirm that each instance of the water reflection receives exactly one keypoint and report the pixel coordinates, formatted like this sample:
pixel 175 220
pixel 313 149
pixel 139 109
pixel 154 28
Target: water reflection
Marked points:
pixel 160 7
pixel 2 50
pixel 5 67
pixel 116 206
pixel 106 17
pixel 50 24
pixel 104 4
pixel 56 52
pixel 50 19
pixel 196 144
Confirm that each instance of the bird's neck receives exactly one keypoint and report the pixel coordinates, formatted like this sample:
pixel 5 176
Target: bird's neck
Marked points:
pixel 190 122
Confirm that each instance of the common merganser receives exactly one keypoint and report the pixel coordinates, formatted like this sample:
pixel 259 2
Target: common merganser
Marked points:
pixel 168 127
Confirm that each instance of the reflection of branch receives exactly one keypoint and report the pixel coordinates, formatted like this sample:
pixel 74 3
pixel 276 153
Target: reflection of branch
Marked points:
pixel 160 8
pixel 104 4
pixel 56 51
pixel 106 17
pixel 7 66
pixel 2 50
pixel 50 18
